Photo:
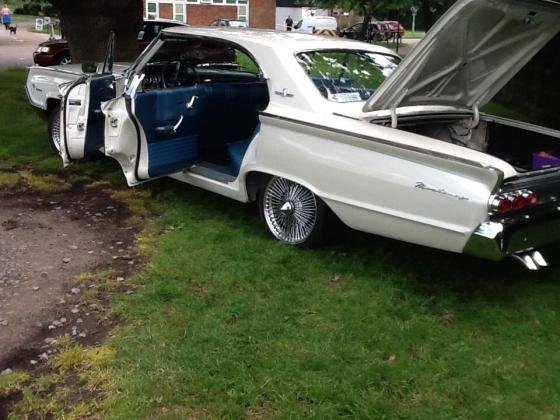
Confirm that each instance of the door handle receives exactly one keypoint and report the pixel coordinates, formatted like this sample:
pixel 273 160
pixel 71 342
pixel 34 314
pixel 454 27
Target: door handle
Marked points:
pixel 190 104
pixel 169 130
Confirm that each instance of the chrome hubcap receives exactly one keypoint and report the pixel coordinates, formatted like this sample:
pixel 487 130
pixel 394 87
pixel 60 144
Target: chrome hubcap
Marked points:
pixel 55 132
pixel 287 209
pixel 290 210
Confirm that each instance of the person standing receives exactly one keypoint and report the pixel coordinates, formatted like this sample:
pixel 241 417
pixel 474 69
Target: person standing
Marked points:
pixel 289 24
pixel 6 14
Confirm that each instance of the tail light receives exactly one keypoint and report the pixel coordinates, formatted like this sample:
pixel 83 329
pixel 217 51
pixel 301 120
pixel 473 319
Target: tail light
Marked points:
pixel 514 201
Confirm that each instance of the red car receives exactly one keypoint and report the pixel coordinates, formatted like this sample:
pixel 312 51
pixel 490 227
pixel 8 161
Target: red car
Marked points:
pixel 56 51
pixel 393 25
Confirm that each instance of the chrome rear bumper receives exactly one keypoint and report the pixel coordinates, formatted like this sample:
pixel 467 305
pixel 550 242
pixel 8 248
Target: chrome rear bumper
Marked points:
pixel 496 241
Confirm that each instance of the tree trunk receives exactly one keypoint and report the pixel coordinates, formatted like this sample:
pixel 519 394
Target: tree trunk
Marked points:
pixel 87 25
pixel 365 27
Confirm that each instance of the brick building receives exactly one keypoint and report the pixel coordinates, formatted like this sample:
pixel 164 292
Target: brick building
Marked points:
pixel 257 13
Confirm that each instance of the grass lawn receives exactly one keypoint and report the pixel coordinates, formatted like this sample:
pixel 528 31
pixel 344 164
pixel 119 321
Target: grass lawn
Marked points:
pixel 24 19
pixel 228 323
pixel 416 34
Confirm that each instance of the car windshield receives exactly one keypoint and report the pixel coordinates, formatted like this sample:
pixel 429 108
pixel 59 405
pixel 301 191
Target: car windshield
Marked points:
pixel 347 75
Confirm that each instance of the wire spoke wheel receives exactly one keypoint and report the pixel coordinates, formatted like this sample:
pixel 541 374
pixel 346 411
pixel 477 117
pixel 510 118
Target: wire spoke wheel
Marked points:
pixel 290 210
pixel 54 130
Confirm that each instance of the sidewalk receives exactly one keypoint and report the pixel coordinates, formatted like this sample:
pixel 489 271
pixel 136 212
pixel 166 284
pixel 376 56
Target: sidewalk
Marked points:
pixel 405 47
pixel 408 45
pixel 17 51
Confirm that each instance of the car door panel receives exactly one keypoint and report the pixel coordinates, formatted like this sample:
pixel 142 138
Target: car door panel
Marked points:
pixel 170 119
pixel 84 122
pixel 101 89
pixel 155 133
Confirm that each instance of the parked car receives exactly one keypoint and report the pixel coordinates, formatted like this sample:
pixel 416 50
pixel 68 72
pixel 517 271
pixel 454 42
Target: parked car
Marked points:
pixel 316 25
pixel 380 31
pixel 319 130
pixel 234 23
pixel 52 52
pixel 353 32
pixel 395 29
pixel 377 31
pixel 57 52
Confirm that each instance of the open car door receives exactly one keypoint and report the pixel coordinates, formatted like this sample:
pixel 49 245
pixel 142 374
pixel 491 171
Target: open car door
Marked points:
pixel 83 122
pixel 154 134
pixel 154 131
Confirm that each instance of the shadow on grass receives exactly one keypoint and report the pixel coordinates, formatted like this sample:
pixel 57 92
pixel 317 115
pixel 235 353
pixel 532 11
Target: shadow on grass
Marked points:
pixel 424 271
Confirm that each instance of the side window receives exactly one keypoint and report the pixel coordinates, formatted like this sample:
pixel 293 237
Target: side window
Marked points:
pixel 225 63
pixel 191 61
pixel 246 63
pixel 298 25
pixel 347 75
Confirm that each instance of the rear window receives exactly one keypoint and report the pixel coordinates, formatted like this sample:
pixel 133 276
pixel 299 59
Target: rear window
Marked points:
pixel 347 75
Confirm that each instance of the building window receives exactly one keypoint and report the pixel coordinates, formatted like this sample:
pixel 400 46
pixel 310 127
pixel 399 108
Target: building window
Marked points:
pixel 242 13
pixel 179 12
pixel 179 6
pixel 152 7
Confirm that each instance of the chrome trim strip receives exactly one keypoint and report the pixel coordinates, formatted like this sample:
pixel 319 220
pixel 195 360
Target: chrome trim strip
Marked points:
pixel 530 178
pixel 380 141
pixel 346 116
pixel 57 70
pixel 522 125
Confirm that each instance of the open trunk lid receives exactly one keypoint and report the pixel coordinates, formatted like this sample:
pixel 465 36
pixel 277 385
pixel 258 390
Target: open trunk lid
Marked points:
pixel 471 53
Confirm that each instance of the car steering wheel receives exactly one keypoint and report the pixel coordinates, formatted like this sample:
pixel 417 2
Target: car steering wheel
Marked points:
pixel 187 75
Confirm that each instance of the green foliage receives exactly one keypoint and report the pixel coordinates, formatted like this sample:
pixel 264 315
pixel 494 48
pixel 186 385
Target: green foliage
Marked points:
pixel 36 8
pixel 366 8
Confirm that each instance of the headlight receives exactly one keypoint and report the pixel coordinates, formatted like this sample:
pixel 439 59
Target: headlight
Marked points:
pixel 43 49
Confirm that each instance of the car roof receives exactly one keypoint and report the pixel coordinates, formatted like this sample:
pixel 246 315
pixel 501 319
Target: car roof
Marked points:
pixel 166 21
pixel 294 41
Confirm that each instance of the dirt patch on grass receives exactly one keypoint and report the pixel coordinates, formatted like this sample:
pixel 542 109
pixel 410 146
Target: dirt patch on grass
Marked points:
pixel 45 244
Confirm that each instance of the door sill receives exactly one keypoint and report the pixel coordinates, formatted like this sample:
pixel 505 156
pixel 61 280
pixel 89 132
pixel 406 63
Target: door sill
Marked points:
pixel 220 173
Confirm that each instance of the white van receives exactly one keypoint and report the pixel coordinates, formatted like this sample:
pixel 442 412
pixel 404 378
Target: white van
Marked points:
pixel 316 25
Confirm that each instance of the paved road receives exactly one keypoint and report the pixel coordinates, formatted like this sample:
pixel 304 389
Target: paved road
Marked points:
pixel 407 45
pixel 17 51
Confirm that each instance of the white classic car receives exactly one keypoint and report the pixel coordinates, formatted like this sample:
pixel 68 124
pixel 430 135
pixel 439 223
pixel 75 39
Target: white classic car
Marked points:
pixel 318 129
